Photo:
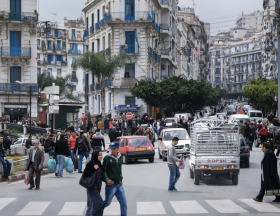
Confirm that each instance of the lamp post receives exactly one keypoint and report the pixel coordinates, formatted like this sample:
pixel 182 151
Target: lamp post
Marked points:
pixel 30 87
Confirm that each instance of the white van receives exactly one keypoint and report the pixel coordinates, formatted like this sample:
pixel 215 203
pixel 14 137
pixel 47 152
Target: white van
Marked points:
pixel 235 118
pixel 255 114
pixel 186 115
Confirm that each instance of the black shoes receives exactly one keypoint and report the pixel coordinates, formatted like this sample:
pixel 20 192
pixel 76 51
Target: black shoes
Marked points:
pixel 80 172
pixel 31 187
pixel 37 188
pixel 56 174
pixel 257 200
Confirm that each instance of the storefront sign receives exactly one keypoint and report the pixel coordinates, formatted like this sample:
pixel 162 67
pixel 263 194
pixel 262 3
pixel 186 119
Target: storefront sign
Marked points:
pixel 127 107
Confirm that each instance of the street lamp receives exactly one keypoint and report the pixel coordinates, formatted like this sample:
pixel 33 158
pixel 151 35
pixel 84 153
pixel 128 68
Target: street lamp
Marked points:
pixel 30 86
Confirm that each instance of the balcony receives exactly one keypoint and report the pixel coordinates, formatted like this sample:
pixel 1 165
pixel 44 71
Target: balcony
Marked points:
pixel 74 80
pixel 57 63
pixel 39 47
pixel 125 82
pixel 75 38
pixel 24 16
pixel 164 2
pixel 16 51
pixel 132 49
pixel 139 16
pixel 91 29
pixel 164 27
pixel 75 52
pixel 7 87
pixel 164 52
pixel 154 55
pixel 86 32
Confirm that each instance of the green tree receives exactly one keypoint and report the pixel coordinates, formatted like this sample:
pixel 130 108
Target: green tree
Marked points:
pixel 102 67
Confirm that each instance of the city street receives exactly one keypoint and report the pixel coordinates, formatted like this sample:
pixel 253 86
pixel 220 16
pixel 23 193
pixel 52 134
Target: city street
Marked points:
pixel 146 191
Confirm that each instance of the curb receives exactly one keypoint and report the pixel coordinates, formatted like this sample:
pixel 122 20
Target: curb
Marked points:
pixel 22 176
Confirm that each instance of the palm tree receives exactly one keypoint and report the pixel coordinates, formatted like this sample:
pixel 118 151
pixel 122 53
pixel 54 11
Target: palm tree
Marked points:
pixel 102 67
pixel 66 87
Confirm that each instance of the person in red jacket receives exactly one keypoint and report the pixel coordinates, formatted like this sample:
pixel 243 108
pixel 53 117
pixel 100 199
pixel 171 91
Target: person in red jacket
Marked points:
pixel 263 134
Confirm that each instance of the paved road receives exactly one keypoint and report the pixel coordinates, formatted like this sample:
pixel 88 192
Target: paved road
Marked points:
pixel 146 190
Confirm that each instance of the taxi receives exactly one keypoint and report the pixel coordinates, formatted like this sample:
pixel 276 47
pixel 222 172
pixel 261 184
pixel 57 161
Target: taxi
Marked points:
pixel 165 140
pixel 135 148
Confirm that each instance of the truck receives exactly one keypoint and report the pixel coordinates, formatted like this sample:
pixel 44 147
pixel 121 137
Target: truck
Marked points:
pixel 214 153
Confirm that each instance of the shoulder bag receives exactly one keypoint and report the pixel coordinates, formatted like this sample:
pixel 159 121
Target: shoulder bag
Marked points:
pixel 88 181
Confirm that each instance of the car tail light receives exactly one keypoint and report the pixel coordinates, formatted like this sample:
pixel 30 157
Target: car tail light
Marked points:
pixel 231 166
pixel 246 150
pixel 204 166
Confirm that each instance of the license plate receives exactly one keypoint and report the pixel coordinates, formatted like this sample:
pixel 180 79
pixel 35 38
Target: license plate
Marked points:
pixel 140 149
pixel 217 168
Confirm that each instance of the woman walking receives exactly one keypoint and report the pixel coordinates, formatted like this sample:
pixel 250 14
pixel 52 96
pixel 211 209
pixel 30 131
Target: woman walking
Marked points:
pixel 270 137
pixel 263 134
pixel 95 204
pixel 61 151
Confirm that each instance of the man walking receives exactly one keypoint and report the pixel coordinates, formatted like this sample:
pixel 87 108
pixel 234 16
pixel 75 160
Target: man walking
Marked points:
pixel 140 131
pixel 269 176
pixel 97 141
pixel 6 164
pixel 42 140
pixel 28 142
pixel 83 147
pixel 100 125
pixel 171 161
pixel 49 145
pixel 106 126
pixel 35 164
pixel 7 144
pixel 112 171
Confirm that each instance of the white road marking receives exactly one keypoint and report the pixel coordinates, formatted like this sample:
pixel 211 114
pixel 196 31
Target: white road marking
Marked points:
pixel 5 201
pixel 34 208
pixel 225 206
pixel 187 207
pixel 113 209
pixel 73 208
pixel 150 208
pixel 260 206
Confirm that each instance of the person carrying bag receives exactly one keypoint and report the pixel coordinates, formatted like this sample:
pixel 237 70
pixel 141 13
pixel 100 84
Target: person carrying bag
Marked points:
pixel 91 179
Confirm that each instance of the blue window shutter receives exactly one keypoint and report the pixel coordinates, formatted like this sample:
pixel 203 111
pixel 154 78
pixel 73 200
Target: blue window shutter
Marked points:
pixel 55 59
pixel 156 43
pixel 76 48
pixel 56 32
pixel 98 15
pixel 92 47
pixel 58 45
pixel 86 80
pixel 15 43
pixel 87 22
pixel 83 49
pixel 15 74
pixel 74 32
pixel 92 19
pixel 38 42
pixel 38 71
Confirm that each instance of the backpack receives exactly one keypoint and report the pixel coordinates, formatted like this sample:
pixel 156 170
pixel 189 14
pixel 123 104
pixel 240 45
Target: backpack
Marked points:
pixel 81 146
pixel 47 146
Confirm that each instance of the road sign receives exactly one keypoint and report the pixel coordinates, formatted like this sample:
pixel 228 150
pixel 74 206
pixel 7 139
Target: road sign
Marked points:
pixel 129 115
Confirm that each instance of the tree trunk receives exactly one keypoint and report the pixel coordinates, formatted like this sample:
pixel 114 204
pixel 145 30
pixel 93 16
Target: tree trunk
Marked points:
pixel 102 88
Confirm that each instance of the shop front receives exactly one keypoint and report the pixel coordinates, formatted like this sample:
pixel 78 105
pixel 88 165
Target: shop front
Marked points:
pixel 122 110
pixel 15 112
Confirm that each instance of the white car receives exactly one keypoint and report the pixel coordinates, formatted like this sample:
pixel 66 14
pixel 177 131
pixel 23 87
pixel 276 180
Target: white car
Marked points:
pixel 255 114
pixel 237 117
pixel 22 141
pixel 168 121
pixel 165 140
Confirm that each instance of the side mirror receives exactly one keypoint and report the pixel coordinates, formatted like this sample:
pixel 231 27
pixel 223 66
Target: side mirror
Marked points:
pixel 160 139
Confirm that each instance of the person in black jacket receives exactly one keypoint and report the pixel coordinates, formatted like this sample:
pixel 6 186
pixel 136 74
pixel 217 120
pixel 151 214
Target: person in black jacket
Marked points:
pixel 133 129
pixel 247 132
pixel 112 132
pixel 106 125
pixel 49 145
pixel 7 144
pixel 269 176
pixel 6 164
pixel 82 144
pixel 61 151
pixel 28 142
pixel 95 205
pixel 117 134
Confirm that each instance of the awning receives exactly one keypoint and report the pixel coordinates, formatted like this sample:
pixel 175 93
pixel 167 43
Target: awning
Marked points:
pixel 127 107
pixel 15 106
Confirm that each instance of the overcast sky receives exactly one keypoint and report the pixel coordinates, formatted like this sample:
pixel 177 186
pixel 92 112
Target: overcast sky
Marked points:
pixel 220 13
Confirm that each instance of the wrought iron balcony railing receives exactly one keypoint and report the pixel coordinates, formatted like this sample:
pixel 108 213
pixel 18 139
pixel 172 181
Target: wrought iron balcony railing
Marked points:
pixel 139 15
pixel 24 16
pixel 16 51
pixel 6 87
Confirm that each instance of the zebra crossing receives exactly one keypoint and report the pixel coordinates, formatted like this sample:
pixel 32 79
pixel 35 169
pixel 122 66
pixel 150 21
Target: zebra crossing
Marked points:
pixel 221 206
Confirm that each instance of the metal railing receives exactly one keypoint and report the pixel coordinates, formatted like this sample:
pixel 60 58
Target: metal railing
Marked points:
pixel 139 15
pixel 16 51
pixel 18 128
pixel 74 52
pixel 125 82
pixel 18 87
pixel 23 16
pixel 91 29
pixel 164 26
pixel 164 52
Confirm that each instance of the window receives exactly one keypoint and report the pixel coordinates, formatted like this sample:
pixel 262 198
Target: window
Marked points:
pixel 134 142
pixel 38 56
pixel 38 71
pixel 74 88
pixel 58 72
pixel 130 41
pixel 103 47
pixel 217 79
pixel 98 45
pixel 38 43
pixel 74 79
pixel 98 15
pixel 59 45
pixel 49 44
pixel 129 100
pixel 50 72
pixel 129 71
pixel 129 10
pixel 103 10
pixel 109 40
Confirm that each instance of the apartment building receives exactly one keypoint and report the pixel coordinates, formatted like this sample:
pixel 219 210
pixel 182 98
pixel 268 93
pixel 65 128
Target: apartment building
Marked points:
pixel 58 47
pixel 250 21
pixel 18 27
pixel 147 32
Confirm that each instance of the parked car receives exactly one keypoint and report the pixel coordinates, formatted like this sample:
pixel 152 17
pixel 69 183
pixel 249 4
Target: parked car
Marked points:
pixel 255 114
pixel 22 141
pixel 165 140
pixel 237 117
pixel 135 148
pixel 244 152
pixel 231 110
pixel 168 121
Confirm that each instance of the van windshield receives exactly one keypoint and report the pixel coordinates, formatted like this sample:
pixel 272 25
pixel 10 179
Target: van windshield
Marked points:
pixel 256 114
pixel 181 134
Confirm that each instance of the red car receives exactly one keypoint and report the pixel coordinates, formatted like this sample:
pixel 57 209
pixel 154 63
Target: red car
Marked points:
pixel 136 147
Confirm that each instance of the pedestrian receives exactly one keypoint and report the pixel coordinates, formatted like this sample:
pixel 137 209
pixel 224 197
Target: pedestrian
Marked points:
pixel 125 126
pixel 83 147
pixel 137 122
pixel 133 129
pixel 35 164
pixel 270 117
pixel 42 140
pixel 7 144
pixel 171 161
pixel 61 151
pixel 49 145
pixel 112 132
pixel 7 165
pixel 111 123
pixel 247 132
pixel 162 123
pixel 97 141
pixel 28 142
pixel 270 138
pixel 89 124
pixel 118 133
pixel 72 144
pixel 112 169
pixel 95 204
pixel 174 125
pixel 263 134
pixel 242 128
pixel 100 125
pixel 106 126
pixel 37 136
pixel 259 125
pixel 269 176
pixel 140 131
pixel 277 143
pixel 252 137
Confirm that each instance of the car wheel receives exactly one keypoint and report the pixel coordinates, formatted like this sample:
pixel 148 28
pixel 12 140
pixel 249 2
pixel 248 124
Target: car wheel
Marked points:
pixel 151 160
pixel 159 155
pixel 191 173
pixel 196 179
pixel 125 161
pixel 235 180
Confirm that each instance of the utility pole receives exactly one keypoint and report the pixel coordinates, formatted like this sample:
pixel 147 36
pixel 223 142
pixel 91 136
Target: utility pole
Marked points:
pixel 277 9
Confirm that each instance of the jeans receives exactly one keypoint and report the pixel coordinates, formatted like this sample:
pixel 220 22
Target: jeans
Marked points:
pixel 6 166
pixel 96 148
pixel 60 164
pixel 262 192
pixel 174 176
pixel 247 139
pixel 72 154
pixel 81 157
pixel 118 191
